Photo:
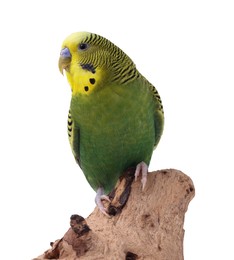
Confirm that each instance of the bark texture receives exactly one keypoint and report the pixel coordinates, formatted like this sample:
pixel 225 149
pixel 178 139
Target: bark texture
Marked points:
pixel 146 225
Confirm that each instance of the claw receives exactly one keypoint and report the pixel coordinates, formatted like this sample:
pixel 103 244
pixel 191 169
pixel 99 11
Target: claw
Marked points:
pixel 142 168
pixel 98 200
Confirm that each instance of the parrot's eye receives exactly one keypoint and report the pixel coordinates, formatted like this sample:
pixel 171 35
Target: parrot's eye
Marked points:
pixel 83 46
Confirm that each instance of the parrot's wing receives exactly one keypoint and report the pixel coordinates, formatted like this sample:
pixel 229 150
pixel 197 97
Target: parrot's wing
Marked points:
pixel 158 115
pixel 74 138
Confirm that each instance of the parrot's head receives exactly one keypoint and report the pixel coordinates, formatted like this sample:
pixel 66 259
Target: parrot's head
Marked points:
pixel 91 62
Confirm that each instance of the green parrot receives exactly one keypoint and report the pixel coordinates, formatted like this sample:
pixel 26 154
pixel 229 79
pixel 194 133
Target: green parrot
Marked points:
pixel 116 116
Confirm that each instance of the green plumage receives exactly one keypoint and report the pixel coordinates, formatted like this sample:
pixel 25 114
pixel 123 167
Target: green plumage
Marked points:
pixel 119 123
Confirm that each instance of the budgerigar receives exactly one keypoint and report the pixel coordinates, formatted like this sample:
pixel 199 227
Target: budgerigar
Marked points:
pixel 116 116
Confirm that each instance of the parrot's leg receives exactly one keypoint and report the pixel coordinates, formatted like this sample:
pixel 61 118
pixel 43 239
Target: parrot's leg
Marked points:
pixel 142 168
pixel 98 200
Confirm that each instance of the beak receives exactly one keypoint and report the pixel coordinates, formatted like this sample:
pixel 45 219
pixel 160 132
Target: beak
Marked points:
pixel 64 60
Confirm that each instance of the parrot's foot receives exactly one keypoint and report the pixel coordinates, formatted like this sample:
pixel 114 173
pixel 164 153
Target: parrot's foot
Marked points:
pixel 98 200
pixel 142 168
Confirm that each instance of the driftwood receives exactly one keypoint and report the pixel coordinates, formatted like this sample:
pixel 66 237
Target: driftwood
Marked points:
pixel 149 226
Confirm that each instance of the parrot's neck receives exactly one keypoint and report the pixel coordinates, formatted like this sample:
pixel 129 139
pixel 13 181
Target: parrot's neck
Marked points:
pixel 85 79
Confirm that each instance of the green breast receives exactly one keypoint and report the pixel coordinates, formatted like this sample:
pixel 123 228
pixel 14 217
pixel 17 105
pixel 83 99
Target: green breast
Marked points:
pixel 116 131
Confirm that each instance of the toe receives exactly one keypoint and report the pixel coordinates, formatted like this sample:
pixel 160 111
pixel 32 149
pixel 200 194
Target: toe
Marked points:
pixel 105 197
pixel 137 171
pixel 143 169
pixel 98 200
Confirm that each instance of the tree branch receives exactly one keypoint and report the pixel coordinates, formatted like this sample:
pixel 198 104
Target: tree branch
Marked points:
pixel 147 226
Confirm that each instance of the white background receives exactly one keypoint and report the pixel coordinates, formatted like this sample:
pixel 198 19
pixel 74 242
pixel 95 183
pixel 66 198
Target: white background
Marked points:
pixel 185 48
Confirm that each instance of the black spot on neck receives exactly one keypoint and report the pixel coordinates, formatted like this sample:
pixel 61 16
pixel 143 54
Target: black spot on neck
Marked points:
pixel 92 81
pixel 88 67
pixel 86 88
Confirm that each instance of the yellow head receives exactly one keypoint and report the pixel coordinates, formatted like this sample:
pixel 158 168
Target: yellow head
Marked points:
pixel 92 62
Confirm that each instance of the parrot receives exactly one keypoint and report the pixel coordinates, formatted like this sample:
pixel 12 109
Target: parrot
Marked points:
pixel 116 116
